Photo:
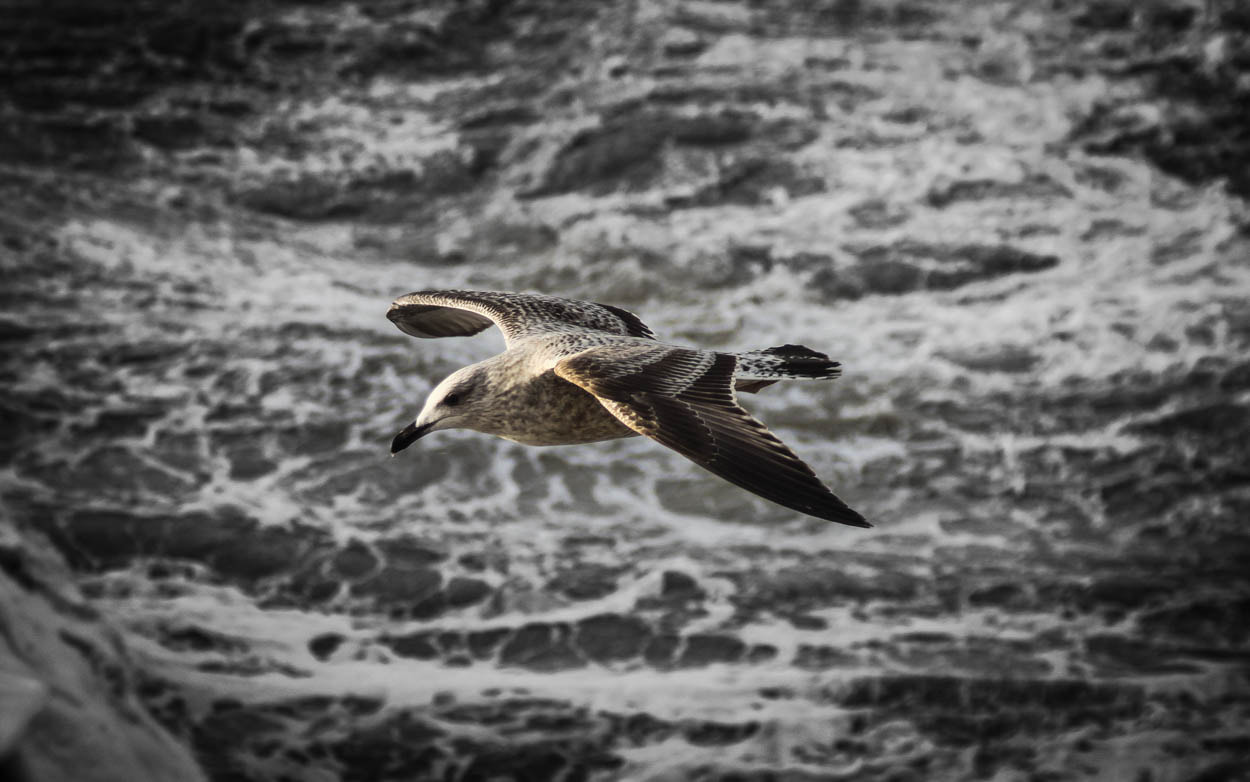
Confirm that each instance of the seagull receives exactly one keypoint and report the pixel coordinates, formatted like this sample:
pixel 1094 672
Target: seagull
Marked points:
pixel 581 372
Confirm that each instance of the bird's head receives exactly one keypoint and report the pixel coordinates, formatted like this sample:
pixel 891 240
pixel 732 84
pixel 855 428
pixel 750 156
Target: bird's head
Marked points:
pixel 451 405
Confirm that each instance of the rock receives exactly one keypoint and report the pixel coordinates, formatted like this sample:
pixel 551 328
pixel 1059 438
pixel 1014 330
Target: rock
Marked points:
pixel 681 42
pixel 718 734
pixel 736 266
pixel 418 646
pixel 198 639
pixel 1217 421
pixel 308 586
pixel 909 266
pixel 267 553
pixel 821 657
pixel 482 643
pixel 642 728
pixel 1069 702
pixel 180 450
pixel 1005 59
pixel 605 638
pixel 540 646
pixel 399 745
pixel 964 264
pixel 120 472
pixel 675 585
pixel 314 437
pixel 1040 187
pixel 461 592
pixel 406 583
pixel 126 422
pixel 93 143
pixel 1009 596
pixel 808 622
pixel 452 642
pixel 22 698
pixel 473 561
pixel 379 194
pixel 707 648
pixel 1010 359
pixel 1117 655
pixel 304 198
pixel 1168 16
pixel 324 645
pixel 1105 14
pixel 1237 378
pixel 753 181
pixel 622 153
pixel 876 214
pixel 585 582
pixel 72 651
pixel 1124 592
pixel 535 761
pixel 795 589
pixel 230 731
pixel 661 649
pixel 22 428
pixel 495 116
pixel 1193 107
pixel 199 535
pixel 400 584
pixel 249 462
pixel 408 553
pixel 102 539
pixel 1219 621
pixel 169 132
pixel 722 128
pixel 355 560
pixel 428 607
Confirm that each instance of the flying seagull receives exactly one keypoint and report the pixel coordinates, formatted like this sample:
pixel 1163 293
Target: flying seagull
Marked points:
pixel 581 372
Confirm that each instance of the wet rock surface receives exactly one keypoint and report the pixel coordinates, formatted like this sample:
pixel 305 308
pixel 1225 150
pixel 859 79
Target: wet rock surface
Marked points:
pixel 68 683
pixel 1021 228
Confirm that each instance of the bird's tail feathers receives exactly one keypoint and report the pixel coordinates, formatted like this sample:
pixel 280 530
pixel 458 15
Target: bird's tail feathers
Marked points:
pixel 759 368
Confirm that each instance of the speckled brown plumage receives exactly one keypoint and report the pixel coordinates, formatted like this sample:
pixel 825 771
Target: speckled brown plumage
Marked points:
pixel 581 372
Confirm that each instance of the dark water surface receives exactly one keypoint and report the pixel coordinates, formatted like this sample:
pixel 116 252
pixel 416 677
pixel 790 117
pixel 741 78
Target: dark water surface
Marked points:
pixel 1021 227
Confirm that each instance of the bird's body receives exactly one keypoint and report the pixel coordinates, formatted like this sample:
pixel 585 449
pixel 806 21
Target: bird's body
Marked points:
pixel 567 414
pixel 580 372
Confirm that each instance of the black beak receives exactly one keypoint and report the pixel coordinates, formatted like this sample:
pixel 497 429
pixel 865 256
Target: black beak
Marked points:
pixel 407 436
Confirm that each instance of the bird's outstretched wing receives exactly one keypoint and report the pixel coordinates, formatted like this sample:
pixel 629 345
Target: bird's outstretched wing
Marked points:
pixel 431 314
pixel 684 399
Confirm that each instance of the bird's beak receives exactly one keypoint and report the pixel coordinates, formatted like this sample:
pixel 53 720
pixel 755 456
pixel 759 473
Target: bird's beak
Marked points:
pixel 409 435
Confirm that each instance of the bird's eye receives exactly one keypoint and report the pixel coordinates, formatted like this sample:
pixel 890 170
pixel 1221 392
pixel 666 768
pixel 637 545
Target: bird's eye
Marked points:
pixel 453 399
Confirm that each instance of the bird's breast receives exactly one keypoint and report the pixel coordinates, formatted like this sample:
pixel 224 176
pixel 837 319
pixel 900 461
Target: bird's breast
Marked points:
pixel 549 410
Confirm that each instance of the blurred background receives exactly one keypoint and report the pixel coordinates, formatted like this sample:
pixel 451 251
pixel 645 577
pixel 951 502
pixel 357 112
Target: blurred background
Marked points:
pixel 1021 226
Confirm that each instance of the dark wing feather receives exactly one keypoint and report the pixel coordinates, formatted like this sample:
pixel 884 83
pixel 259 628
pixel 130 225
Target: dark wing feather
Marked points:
pixel 752 386
pixel 431 314
pixel 430 320
pixel 684 399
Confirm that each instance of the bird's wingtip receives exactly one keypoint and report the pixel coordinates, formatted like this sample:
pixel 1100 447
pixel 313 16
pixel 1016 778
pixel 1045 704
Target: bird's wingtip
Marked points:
pixel 851 518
